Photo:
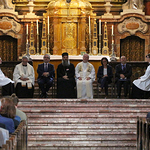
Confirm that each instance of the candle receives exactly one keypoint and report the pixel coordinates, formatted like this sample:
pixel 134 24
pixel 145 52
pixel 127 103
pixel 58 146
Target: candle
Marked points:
pixel 89 25
pixel 112 30
pixel 99 27
pixel 48 24
pixel 112 41
pixel 37 27
pixel 27 29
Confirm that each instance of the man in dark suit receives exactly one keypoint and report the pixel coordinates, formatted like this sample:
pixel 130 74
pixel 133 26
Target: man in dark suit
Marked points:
pixel 46 74
pixel 122 75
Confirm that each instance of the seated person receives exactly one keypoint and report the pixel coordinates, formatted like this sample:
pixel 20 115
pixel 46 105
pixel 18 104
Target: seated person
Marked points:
pixel 141 86
pixel 122 76
pixel 85 75
pixel 4 136
pixel 19 113
pixel 6 83
pixel 104 75
pixel 24 79
pixel 7 114
pixel 46 74
pixel 65 78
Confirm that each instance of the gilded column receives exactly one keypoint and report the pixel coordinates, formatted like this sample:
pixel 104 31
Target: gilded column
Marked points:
pixel 82 31
pixel 56 49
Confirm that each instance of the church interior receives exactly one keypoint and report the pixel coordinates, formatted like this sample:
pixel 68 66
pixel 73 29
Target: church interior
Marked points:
pixel 100 28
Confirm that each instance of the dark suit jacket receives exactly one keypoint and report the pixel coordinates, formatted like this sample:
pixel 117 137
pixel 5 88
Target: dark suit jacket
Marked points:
pixel 51 70
pixel 100 73
pixel 127 73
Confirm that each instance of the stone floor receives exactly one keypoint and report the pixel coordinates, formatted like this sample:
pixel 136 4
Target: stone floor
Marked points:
pixel 73 124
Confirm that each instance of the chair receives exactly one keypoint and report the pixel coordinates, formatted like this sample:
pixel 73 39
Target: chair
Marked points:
pixel 110 86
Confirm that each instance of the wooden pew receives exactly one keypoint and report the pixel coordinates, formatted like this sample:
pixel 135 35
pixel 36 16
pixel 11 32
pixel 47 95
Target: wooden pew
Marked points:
pixel 17 140
pixel 143 130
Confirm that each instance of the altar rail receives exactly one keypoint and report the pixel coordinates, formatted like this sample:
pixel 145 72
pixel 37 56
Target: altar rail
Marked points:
pixel 143 133
pixel 17 140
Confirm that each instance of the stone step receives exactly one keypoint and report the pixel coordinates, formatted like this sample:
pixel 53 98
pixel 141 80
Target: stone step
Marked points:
pixel 82 120
pixel 81 148
pixel 84 106
pixel 100 110
pixel 81 126
pixel 74 132
pixel 91 137
pixel 130 101
pixel 82 144
pixel 85 115
pixel 81 138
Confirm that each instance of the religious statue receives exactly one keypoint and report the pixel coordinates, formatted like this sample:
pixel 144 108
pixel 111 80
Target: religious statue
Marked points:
pixel 133 4
pixel 6 4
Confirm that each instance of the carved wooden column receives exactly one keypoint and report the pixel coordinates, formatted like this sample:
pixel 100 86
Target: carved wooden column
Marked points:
pixel 82 31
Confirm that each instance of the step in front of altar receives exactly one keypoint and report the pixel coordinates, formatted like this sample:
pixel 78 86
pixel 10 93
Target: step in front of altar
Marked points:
pixel 100 124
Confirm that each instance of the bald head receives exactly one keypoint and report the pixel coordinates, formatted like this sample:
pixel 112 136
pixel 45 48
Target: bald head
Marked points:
pixel 85 58
pixel 123 59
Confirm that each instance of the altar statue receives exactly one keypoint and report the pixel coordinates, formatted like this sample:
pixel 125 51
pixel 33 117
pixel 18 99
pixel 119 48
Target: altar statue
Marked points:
pixel 133 4
pixel 6 4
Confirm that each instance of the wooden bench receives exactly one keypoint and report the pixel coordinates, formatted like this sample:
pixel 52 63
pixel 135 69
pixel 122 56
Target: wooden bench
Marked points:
pixel 143 131
pixel 17 140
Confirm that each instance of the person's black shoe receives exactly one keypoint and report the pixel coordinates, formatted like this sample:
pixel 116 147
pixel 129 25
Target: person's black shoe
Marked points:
pixel 118 97
pixel 45 96
pixel 42 95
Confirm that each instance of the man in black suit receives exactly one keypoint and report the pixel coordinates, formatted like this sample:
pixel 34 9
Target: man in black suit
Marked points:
pixel 46 74
pixel 122 75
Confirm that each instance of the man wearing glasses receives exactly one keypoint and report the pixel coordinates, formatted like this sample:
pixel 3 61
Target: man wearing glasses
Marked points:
pixel 46 74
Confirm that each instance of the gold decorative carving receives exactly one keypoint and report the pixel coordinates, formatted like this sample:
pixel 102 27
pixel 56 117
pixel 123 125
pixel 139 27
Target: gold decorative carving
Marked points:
pixel 132 25
pixel 7 25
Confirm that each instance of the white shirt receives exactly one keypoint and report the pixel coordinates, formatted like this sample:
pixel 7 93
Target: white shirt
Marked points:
pixel 144 82
pixel 4 80
pixel 105 71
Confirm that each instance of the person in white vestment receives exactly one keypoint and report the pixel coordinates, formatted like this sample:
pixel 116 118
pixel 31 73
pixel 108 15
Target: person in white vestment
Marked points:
pixel 141 86
pixel 85 75
pixel 24 79
pixel 6 83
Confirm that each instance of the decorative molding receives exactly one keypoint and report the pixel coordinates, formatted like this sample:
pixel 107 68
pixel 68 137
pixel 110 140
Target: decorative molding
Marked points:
pixel 7 25
pixel 132 25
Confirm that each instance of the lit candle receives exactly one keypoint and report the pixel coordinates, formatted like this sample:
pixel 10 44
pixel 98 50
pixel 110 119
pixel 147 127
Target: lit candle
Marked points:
pixel 27 29
pixel 99 27
pixel 112 30
pixel 37 27
pixel 89 25
pixel 48 24
pixel 112 41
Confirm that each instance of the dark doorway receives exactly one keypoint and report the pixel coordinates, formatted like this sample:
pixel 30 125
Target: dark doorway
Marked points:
pixel 8 48
pixel 133 48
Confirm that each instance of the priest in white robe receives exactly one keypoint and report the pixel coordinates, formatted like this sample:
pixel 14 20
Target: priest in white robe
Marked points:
pixel 24 79
pixel 141 86
pixel 85 75
pixel 6 83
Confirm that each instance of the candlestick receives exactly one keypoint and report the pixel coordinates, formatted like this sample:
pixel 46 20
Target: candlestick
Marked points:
pixel 112 41
pixel 112 29
pixel 27 29
pixel 99 27
pixel 37 27
pixel 48 24
pixel 89 25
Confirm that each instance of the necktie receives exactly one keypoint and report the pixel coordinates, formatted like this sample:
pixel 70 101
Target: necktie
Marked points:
pixel 46 67
pixel 124 68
